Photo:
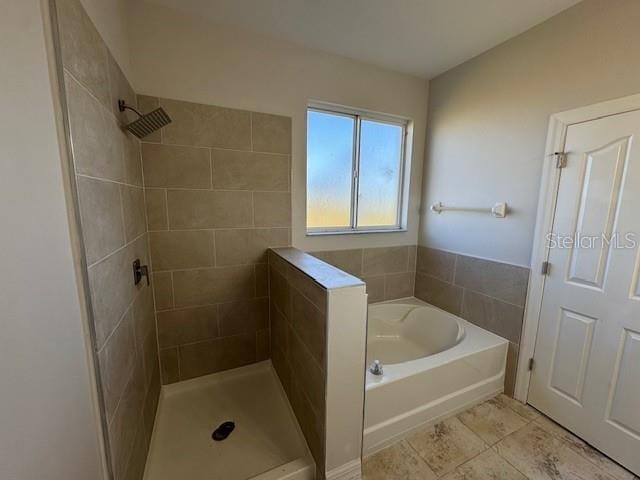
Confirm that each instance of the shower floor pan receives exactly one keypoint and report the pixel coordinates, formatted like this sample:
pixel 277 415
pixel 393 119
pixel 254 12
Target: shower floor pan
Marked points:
pixel 267 443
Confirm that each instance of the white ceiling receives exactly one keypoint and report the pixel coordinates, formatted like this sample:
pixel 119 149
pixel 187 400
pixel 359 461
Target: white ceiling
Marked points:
pixel 421 37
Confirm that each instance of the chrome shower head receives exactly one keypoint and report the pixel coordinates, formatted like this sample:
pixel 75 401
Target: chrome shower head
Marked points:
pixel 147 123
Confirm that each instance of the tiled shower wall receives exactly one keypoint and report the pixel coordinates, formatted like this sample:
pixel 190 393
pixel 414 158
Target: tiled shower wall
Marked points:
pixel 217 185
pixel 299 343
pixel 108 174
pixel 488 294
pixel 389 272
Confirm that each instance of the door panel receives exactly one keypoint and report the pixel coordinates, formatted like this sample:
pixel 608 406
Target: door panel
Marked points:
pixel 571 354
pixel 587 369
pixel 625 399
pixel 600 192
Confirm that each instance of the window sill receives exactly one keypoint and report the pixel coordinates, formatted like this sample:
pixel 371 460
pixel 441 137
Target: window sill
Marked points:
pixel 319 233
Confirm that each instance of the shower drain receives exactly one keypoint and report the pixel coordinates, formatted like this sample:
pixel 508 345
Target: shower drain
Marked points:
pixel 223 431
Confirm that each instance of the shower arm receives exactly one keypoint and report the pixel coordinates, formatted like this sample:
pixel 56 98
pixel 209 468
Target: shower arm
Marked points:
pixel 122 106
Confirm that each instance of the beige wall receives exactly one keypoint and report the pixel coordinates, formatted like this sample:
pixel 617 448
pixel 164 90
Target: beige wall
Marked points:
pixel 188 59
pixel 488 122
pixel 50 427
pixel 111 20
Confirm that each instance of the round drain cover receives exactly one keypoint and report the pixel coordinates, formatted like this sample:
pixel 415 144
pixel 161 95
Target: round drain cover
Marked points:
pixel 223 431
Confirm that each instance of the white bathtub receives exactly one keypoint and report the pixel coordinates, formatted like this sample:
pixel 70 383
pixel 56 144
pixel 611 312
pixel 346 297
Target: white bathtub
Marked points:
pixel 435 364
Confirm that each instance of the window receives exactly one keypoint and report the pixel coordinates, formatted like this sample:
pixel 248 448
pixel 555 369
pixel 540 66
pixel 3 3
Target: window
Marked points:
pixel 355 171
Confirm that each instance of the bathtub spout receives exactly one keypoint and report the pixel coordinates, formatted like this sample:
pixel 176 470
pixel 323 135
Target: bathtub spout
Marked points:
pixel 376 367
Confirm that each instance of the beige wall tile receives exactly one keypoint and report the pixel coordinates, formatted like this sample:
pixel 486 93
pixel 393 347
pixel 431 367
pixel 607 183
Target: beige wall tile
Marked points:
pixel 244 246
pixel 181 249
pixel 177 327
pixel 262 280
pixel 137 460
pixel 436 263
pixel 151 402
pixel 101 215
pixel 498 317
pixel 148 104
pixel 132 160
pixel 280 292
pixel 441 294
pixel 170 367
pixel 213 285
pixel 309 288
pixel 97 140
pixel 413 260
pixel 206 125
pixel 311 423
pixel 163 290
pixel 385 260
pixel 150 359
pixel 243 316
pixel 349 261
pixel 133 208
pixel 84 53
pixel 127 421
pixel 271 133
pixel 235 170
pixel 156 202
pixel 279 328
pixel 206 209
pixel 498 280
pixel 144 320
pixel 307 372
pixel 120 89
pixel 117 360
pixel 263 346
pixel 212 356
pixel 375 287
pixel 511 369
pixel 112 287
pixel 176 166
pixel 399 285
pixel 272 209
pixel 310 325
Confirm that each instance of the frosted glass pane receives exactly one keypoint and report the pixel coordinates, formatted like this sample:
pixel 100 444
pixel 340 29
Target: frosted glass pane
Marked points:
pixel 329 165
pixel 379 181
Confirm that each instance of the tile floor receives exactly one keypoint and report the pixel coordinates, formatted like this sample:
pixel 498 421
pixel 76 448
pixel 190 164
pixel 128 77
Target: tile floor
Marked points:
pixel 500 439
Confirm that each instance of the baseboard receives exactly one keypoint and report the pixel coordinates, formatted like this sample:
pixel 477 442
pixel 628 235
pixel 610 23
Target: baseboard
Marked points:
pixel 348 471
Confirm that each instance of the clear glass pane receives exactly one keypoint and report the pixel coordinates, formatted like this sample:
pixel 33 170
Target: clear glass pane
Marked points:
pixel 329 166
pixel 379 180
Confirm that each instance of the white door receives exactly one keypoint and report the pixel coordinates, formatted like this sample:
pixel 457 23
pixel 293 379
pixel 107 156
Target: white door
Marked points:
pixel 587 354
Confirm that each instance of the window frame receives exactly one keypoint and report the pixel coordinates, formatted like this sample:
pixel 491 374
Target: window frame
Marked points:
pixel 403 179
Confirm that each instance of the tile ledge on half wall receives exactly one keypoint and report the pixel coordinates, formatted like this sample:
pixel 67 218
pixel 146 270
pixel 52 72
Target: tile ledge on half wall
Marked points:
pixel 326 275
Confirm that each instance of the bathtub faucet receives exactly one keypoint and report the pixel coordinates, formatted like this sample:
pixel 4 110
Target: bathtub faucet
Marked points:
pixel 376 367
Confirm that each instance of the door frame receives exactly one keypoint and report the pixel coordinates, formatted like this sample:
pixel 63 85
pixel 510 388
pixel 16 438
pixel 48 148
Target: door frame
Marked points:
pixel 556 136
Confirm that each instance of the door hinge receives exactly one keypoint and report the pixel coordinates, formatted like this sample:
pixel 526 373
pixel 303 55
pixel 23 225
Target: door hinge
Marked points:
pixel 561 159
pixel 546 268
pixel 531 363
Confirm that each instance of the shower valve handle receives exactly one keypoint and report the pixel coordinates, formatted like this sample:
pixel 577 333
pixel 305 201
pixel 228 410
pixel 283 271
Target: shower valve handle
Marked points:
pixel 140 271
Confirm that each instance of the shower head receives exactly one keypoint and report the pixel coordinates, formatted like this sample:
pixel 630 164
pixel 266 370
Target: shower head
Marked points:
pixel 147 123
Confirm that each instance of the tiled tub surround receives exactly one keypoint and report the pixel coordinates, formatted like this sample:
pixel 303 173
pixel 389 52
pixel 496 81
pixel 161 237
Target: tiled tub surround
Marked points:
pixel 488 294
pixel 389 272
pixel 318 335
pixel 108 176
pixel 217 186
